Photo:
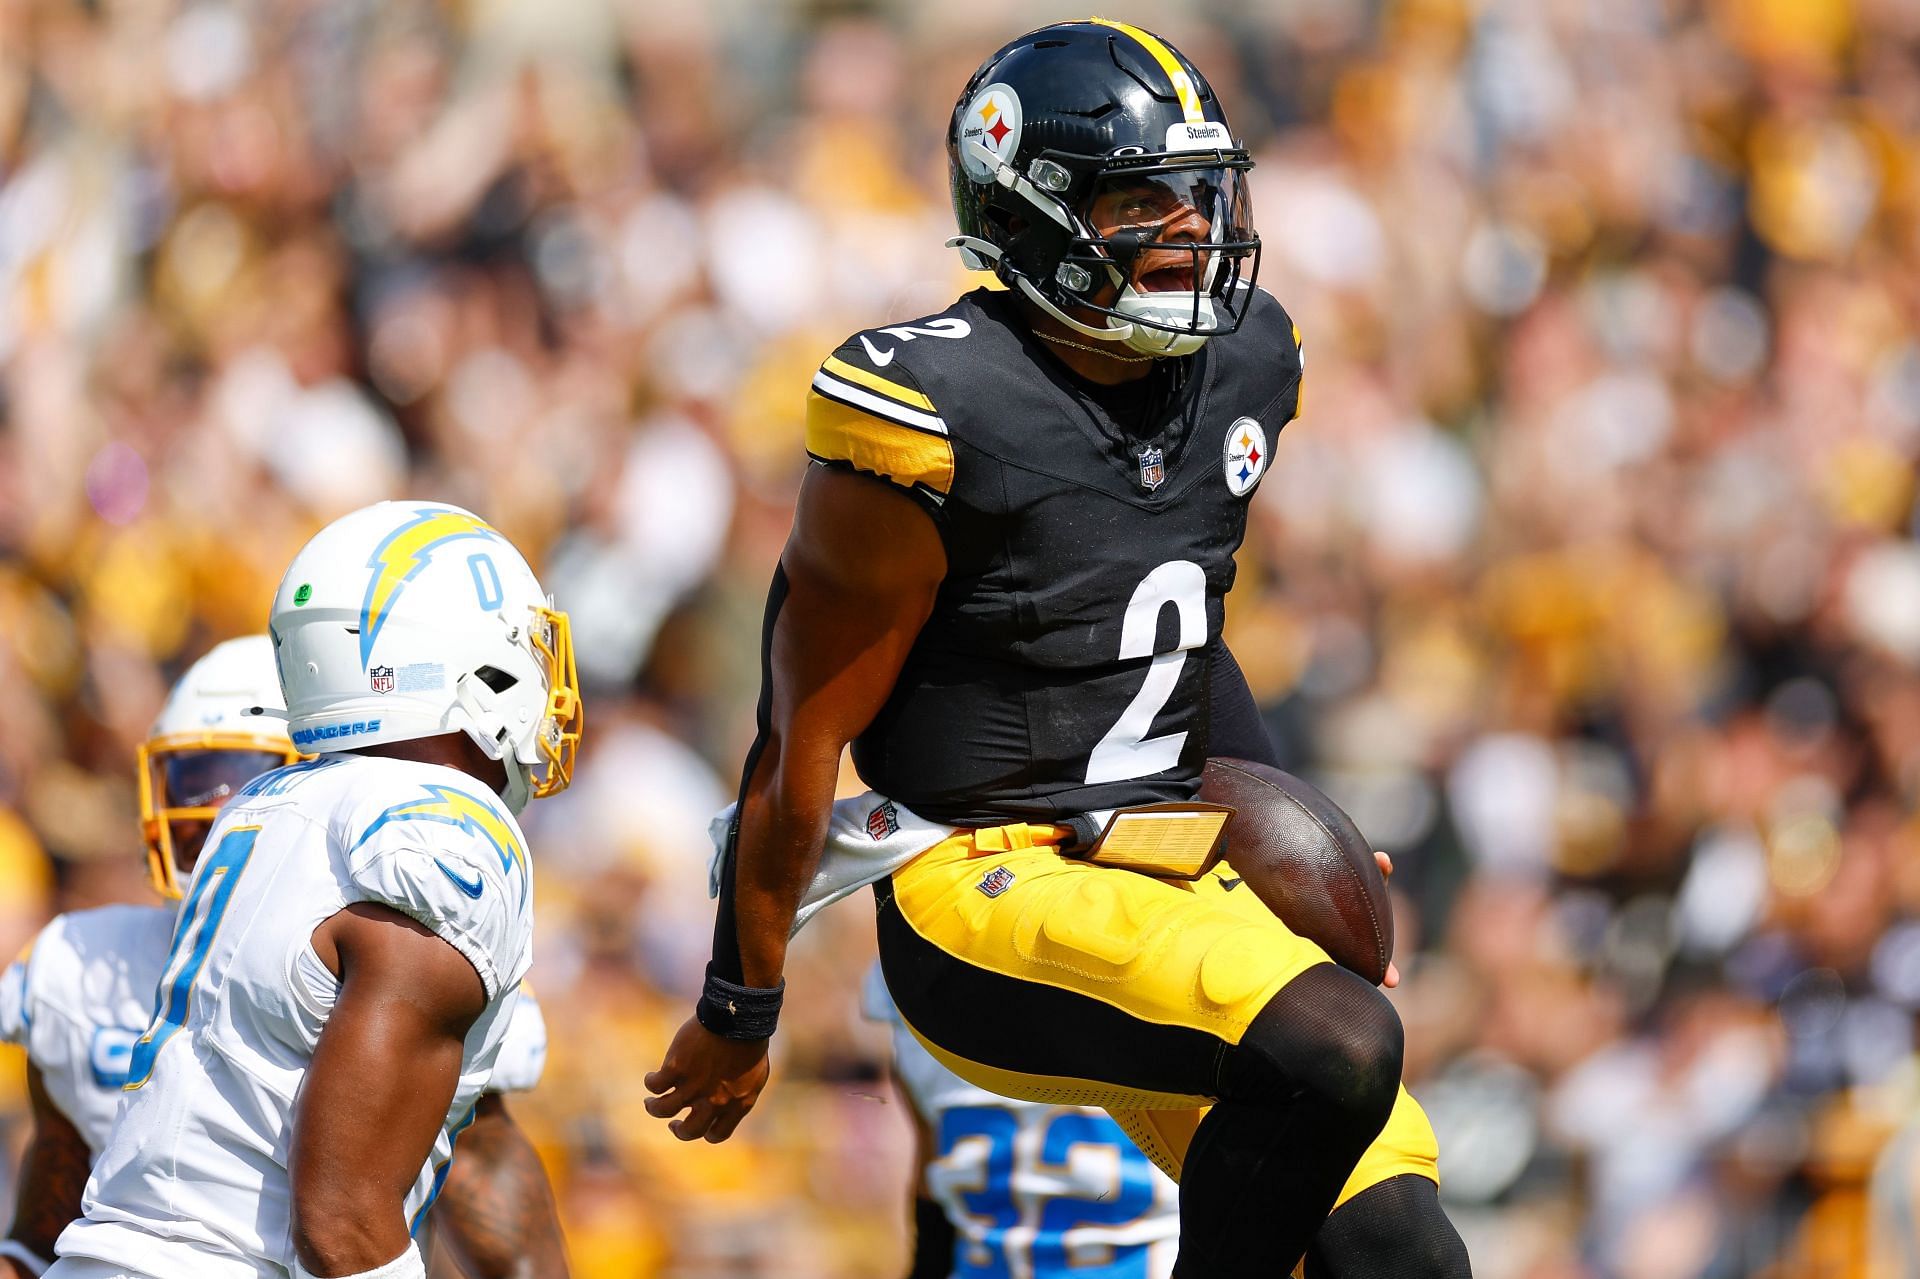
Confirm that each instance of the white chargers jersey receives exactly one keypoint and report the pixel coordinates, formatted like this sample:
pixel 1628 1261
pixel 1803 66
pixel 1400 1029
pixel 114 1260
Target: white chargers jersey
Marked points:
pixel 82 993
pixel 1033 1191
pixel 78 998
pixel 192 1183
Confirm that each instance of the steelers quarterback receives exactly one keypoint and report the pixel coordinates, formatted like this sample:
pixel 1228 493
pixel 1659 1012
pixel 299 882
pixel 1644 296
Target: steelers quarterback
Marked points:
pixel 81 994
pixel 1004 589
pixel 349 950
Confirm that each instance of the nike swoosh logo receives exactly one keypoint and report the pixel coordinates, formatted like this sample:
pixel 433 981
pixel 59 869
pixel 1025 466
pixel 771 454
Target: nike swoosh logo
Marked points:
pixel 1226 885
pixel 471 887
pixel 874 353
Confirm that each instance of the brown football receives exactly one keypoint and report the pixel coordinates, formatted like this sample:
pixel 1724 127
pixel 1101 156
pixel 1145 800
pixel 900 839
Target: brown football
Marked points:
pixel 1307 861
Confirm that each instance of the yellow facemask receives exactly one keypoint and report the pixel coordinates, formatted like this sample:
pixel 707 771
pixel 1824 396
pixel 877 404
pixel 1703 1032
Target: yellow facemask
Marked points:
pixel 559 739
pixel 162 761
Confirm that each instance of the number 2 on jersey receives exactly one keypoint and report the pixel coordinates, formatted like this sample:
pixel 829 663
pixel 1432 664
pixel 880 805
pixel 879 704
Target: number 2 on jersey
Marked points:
pixel 1126 751
pixel 193 934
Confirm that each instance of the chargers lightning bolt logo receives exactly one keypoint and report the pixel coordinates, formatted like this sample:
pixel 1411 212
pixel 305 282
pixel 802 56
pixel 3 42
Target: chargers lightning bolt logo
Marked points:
pixel 400 557
pixel 469 813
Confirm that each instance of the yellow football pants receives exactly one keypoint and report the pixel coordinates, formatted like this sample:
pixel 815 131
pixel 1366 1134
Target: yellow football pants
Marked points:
pixel 1047 979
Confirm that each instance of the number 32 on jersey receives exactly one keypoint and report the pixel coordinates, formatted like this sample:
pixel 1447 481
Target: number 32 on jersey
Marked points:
pixel 1038 1212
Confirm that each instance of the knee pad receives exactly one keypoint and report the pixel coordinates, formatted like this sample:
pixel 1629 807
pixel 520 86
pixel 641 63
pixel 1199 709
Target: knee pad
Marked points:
pixel 1327 1033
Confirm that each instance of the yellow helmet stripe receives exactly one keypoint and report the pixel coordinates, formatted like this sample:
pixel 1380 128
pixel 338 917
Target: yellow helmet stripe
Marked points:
pixel 1183 87
pixel 1300 388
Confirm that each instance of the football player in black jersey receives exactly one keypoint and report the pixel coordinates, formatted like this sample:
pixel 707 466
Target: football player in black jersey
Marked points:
pixel 1004 589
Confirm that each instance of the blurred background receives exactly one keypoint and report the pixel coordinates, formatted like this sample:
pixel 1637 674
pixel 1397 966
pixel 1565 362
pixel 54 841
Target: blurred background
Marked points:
pixel 1586 581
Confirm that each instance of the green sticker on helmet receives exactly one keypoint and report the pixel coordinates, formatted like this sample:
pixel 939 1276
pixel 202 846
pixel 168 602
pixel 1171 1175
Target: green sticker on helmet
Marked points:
pixel 303 594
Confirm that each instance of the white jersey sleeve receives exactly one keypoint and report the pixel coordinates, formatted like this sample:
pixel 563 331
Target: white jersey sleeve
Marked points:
pixel 523 1054
pixel 448 854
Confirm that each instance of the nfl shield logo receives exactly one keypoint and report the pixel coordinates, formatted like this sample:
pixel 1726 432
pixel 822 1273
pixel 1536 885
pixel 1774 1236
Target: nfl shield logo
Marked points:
pixel 1153 468
pixel 380 678
pixel 996 881
pixel 883 821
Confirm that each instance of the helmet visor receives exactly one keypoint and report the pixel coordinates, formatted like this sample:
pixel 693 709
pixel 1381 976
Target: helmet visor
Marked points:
pixel 1168 231
pixel 1205 204
pixel 207 779
pixel 184 780
pixel 1185 231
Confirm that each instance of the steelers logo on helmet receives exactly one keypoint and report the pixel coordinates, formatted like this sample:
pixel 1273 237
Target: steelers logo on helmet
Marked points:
pixel 1245 459
pixel 991 121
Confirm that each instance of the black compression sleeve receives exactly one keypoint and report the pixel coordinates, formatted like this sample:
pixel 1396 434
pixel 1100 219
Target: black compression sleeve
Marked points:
pixel 933 1241
pixel 726 935
pixel 1394 1230
pixel 1234 727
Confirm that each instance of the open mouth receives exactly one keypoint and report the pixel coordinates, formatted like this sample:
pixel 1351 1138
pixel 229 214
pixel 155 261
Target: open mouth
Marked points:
pixel 1175 278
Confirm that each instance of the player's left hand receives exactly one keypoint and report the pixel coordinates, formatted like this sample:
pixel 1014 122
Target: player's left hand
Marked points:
pixel 715 1080
pixel 1386 872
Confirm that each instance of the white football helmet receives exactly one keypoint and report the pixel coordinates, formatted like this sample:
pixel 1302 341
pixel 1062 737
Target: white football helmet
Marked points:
pixel 406 620
pixel 207 743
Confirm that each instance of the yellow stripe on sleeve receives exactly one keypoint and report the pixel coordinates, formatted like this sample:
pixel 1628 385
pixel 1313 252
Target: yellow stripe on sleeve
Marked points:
pixel 874 382
pixel 840 433
pixel 1176 74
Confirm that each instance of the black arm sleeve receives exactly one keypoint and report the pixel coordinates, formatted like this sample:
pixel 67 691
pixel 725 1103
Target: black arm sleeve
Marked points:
pixel 1234 727
pixel 934 1239
pixel 726 933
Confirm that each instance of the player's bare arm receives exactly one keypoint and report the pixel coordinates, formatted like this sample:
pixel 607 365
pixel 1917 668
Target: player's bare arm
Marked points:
pixel 53 1175
pixel 861 569
pixel 383 1076
pixel 496 1215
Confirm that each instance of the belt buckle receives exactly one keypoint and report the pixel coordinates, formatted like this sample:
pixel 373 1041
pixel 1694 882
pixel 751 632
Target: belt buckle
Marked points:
pixel 1167 841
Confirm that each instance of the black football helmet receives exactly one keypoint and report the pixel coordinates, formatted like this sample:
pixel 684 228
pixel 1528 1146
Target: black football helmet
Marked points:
pixel 1079 148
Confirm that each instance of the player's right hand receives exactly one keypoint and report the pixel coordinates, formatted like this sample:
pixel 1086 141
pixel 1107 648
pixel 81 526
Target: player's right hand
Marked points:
pixel 1385 863
pixel 715 1080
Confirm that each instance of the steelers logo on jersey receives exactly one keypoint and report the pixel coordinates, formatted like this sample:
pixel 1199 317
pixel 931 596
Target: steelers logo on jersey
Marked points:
pixel 1245 458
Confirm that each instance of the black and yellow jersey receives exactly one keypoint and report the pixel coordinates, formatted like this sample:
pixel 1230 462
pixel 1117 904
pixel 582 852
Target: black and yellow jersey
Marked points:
pixel 1063 668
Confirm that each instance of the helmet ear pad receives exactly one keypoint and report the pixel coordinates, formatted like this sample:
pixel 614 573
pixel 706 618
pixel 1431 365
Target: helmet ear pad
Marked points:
pixel 1037 251
pixel 1033 246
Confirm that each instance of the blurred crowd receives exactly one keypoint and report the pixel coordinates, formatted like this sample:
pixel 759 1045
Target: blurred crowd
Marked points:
pixel 1587 580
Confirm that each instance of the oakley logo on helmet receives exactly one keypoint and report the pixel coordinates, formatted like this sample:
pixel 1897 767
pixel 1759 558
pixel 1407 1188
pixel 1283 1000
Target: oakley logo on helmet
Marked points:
pixel 992 120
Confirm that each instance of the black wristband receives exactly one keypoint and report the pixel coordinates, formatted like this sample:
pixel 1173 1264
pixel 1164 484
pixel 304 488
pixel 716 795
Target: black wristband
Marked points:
pixel 739 1012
